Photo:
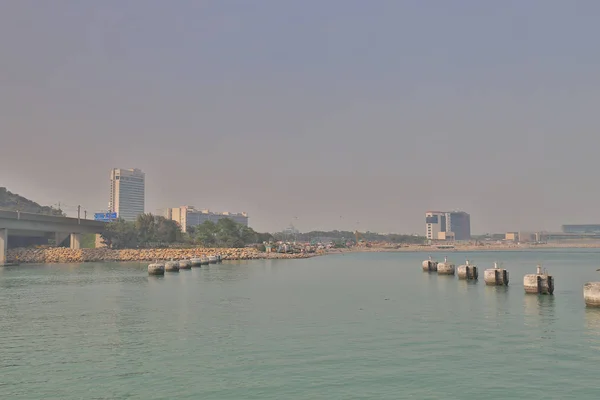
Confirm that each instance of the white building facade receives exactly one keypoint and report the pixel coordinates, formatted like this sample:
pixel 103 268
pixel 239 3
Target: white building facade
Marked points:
pixel 433 224
pixel 187 216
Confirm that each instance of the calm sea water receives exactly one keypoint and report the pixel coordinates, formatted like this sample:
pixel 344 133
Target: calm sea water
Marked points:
pixel 352 326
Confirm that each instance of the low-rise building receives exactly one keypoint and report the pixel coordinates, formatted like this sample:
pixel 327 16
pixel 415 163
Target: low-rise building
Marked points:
pixel 187 216
pixel 525 237
pixel 512 236
pixel 582 228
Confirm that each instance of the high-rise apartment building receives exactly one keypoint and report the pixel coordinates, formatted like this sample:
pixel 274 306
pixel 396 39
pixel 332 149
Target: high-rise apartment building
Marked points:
pixel 187 216
pixel 127 193
pixel 447 225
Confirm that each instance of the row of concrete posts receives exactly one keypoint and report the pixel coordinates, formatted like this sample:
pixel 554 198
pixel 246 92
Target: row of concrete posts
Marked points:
pixel 539 283
pixel 159 268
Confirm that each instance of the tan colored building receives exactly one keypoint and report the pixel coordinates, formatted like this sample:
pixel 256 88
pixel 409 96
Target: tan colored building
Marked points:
pixel 445 236
pixel 187 216
pixel 512 236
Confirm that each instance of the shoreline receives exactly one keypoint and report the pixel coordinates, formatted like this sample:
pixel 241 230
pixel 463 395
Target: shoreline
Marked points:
pixel 53 255
pixel 468 248
pixel 476 248
pixel 65 255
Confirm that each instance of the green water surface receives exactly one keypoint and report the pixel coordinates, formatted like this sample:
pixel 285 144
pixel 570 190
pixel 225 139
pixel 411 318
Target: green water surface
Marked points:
pixel 351 326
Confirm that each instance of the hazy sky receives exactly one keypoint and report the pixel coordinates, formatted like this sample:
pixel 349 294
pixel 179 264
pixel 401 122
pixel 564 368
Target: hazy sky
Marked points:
pixel 343 113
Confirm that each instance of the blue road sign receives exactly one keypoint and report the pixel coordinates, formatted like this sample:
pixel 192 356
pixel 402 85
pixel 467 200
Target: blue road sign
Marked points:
pixel 106 217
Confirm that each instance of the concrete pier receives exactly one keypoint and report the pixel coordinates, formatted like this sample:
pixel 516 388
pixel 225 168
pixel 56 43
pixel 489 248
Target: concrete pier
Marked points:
pixel 196 261
pixel 156 269
pixel 76 241
pixel 467 271
pixel 591 294
pixel 539 283
pixel 3 245
pixel 172 266
pixel 429 265
pixel 496 276
pixel 445 268
pixel 60 237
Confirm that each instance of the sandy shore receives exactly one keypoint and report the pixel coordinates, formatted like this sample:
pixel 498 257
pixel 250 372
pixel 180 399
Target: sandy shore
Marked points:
pixel 485 247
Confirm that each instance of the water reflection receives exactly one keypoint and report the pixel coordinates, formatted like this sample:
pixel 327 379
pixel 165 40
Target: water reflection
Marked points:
pixel 495 292
pixel 154 279
pixel 496 301
pixel 539 306
pixel 443 283
pixel 226 273
pixel 592 326
pixel 502 298
pixel 431 282
pixel 592 321
pixel 465 286
pixel 428 276
pixel 540 313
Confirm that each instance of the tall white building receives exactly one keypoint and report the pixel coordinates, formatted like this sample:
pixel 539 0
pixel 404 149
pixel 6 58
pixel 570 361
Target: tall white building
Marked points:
pixel 127 193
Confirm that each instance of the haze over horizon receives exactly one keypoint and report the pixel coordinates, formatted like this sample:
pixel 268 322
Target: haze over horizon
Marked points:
pixel 344 114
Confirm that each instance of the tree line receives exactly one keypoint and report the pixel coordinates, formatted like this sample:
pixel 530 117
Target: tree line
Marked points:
pixel 151 231
pixel 351 236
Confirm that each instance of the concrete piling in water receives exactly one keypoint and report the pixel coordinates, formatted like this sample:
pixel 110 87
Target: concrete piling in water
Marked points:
pixel 196 261
pixel 185 264
pixel 445 268
pixel 467 271
pixel 429 265
pixel 156 268
pixel 496 276
pixel 539 283
pixel 591 294
pixel 171 266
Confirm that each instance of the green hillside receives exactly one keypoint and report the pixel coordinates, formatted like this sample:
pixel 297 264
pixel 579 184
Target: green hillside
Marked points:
pixel 13 202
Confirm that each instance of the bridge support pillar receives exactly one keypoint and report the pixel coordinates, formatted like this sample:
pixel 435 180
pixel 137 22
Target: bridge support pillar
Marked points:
pixel 60 237
pixel 3 245
pixel 76 241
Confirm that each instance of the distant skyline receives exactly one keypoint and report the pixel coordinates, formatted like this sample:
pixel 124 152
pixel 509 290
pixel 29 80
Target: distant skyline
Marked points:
pixel 329 114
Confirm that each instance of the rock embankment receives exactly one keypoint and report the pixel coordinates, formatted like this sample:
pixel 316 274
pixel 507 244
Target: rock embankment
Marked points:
pixel 66 255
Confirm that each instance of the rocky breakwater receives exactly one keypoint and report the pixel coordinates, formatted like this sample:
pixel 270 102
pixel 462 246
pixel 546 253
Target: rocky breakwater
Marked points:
pixel 66 255
pixel 289 255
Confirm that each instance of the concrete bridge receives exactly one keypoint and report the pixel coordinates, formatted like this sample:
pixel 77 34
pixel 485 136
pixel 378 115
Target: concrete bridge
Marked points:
pixel 26 224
